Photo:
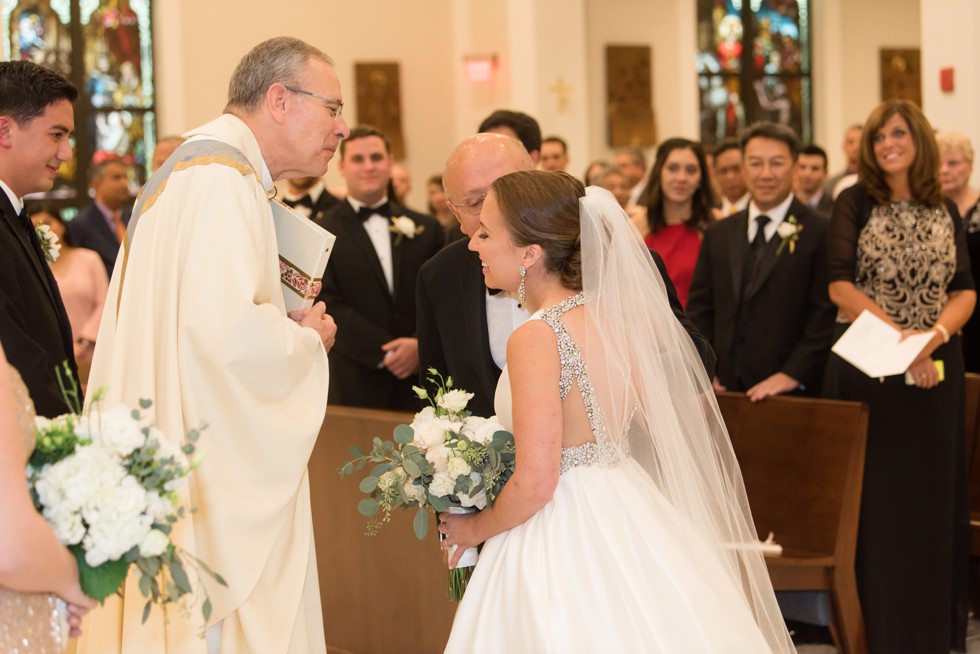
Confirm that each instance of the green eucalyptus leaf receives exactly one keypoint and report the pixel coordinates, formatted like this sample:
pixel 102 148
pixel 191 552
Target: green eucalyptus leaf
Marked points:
pixel 368 484
pixel 421 523
pixel 180 576
pixel 411 467
pixel 146 611
pixel 403 434
pixel 368 506
pixel 440 504
pixel 206 609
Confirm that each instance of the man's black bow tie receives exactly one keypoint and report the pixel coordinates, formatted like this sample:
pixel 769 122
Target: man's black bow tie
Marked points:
pixel 304 201
pixel 366 212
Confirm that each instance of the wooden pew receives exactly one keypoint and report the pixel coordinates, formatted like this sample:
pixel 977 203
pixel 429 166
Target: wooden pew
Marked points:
pixel 972 440
pixel 803 465
pixel 381 594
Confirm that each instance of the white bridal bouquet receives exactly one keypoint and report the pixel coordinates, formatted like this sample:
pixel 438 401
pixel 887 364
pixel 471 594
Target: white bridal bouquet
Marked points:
pixel 105 481
pixel 446 460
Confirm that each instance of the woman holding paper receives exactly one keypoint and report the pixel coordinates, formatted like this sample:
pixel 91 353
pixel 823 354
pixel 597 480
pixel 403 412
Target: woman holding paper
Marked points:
pixel 897 249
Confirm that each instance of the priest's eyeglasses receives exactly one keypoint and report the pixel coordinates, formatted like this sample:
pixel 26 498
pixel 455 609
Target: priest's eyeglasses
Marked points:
pixel 335 111
pixel 471 205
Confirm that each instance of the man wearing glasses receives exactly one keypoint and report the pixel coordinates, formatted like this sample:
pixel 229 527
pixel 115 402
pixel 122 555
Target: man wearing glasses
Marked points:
pixel 195 322
pixel 463 327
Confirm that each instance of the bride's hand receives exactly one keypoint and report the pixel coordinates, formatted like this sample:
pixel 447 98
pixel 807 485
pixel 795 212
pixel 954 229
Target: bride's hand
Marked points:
pixel 459 530
pixel 78 602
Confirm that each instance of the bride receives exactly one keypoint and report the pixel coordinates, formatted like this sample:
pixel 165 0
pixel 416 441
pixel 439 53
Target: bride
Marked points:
pixel 34 566
pixel 625 526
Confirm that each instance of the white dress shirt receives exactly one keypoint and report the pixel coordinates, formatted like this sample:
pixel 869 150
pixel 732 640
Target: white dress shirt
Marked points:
pixel 378 229
pixel 503 317
pixel 776 216
pixel 728 207
pixel 14 200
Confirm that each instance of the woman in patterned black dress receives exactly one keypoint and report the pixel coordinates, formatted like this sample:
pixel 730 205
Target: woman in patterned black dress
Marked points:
pixel 897 249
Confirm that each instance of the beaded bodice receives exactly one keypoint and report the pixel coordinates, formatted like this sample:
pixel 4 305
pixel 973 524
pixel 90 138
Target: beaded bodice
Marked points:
pixel 600 452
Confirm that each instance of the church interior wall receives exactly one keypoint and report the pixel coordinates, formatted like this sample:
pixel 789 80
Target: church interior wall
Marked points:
pixel 535 42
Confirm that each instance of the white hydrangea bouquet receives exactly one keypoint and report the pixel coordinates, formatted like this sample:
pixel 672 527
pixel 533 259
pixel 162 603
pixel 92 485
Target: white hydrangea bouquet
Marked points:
pixel 446 460
pixel 105 481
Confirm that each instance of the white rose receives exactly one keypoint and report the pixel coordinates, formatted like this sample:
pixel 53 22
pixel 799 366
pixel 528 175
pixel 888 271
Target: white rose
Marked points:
pixel 154 543
pixel 158 507
pixel 391 478
pixel 404 225
pixel 414 491
pixel 786 229
pixel 484 433
pixel 458 467
pixel 441 485
pixel 479 500
pixel 454 401
pixel 429 433
pixel 428 413
pixel 439 457
pixel 114 429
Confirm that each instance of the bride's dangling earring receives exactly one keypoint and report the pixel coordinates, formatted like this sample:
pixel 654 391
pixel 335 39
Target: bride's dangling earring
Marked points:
pixel 521 291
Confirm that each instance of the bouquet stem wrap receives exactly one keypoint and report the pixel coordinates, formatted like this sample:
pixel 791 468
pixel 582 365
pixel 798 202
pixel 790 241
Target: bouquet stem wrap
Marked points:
pixel 459 576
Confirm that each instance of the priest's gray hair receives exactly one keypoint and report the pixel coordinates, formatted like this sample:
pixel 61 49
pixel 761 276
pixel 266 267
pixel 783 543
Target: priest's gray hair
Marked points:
pixel 277 60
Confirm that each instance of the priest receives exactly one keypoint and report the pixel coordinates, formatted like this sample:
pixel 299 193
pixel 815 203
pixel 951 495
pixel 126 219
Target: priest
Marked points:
pixel 195 322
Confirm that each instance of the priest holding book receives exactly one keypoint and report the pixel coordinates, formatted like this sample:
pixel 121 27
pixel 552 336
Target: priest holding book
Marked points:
pixel 196 322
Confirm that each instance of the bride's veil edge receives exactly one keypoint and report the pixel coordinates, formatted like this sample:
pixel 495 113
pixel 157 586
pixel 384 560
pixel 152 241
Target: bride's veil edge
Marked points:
pixel 657 402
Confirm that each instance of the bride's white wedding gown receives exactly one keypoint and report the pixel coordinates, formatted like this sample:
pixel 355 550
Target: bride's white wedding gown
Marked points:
pixel 606 566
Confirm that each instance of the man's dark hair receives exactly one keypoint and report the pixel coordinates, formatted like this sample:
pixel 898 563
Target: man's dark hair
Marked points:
pixel 774 131
pixel 726 145
pixel 527 129
pixel 27 89
pixel 363 131
pixel 559 140
pixel 97 172
pixel 816 151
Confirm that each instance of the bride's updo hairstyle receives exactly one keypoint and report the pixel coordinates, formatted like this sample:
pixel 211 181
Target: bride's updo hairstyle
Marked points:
pixel 542 208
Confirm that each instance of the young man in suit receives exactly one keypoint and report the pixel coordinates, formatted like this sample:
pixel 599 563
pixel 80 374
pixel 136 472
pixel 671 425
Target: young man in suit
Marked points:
pixel 462 326
pixel 101 226
pixel 369 284
pixel 811 174
pixel 36 121
pixel 760 285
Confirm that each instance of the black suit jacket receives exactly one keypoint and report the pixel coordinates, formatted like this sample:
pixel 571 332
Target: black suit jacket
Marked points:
pixel 90 230
pixel 34 327
pixel 324 203
pixel 452 324
pixel 783 322
pixel 367 314
pixel 825 205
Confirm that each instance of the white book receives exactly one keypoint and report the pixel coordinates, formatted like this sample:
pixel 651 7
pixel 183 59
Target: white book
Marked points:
pixel 304 248
pixel 874 347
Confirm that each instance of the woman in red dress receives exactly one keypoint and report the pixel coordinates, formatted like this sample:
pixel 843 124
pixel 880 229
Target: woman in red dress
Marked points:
pixel 678 201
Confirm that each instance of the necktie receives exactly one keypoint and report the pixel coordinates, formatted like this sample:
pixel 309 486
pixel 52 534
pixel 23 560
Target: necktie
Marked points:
pixel 120 227
pixel 757 247
pixel 25 220
pixel 304 201
pixel 366 212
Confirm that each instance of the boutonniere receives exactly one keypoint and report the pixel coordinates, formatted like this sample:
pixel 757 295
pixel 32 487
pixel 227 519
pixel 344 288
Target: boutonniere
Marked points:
pixel 789 231
pixel 404 226
pixel 49 243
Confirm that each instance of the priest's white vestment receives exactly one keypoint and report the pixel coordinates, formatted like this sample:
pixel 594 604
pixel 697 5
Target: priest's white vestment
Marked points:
pixel 194 321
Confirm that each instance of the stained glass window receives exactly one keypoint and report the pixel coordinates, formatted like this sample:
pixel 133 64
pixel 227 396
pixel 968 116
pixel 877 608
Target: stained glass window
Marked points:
pixel 753 64
pixel 105 47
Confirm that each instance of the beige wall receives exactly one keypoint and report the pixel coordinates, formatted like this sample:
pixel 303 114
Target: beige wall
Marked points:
pixel 198 45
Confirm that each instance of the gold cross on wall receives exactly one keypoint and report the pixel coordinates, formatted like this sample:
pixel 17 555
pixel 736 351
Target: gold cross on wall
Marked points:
pixel 562 91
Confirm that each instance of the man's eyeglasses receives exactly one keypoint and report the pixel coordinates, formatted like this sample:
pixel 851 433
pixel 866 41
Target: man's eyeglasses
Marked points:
pixel 335 111
pixel 471 205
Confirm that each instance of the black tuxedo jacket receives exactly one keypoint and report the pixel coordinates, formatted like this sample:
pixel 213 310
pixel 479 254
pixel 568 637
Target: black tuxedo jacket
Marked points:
pixel 367 314
pixel 783 321
pixel 34 327
pixel 452 324
pixel 90 230
pixel 324 203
